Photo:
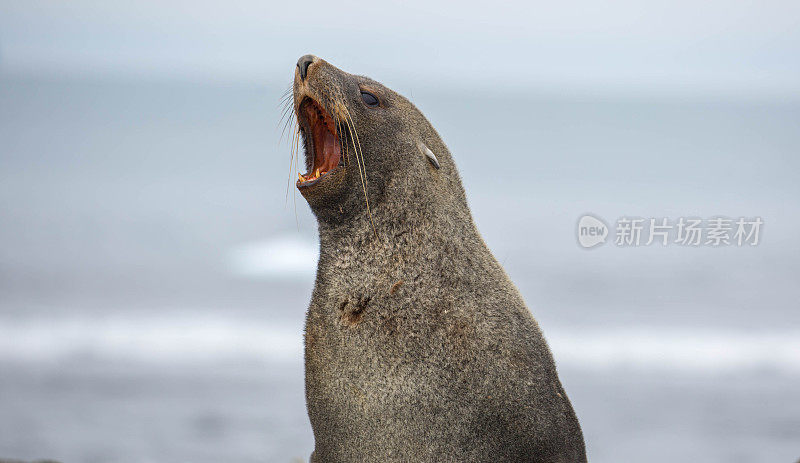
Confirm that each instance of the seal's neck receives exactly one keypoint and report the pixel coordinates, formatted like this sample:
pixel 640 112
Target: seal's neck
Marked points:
pixel 418 216
pixel 398 232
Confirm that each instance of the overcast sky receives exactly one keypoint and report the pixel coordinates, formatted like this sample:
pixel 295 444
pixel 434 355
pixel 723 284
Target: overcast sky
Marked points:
pixel 729 46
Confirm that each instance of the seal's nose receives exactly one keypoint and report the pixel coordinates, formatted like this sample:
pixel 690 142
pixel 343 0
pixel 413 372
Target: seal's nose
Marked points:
pixel 303 63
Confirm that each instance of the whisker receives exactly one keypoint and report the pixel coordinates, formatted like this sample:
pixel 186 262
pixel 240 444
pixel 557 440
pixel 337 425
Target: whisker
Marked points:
pixel 288 109
pixel 291 160
pixel 355 152
pixel 297 171
pixel 287 112
pixel 284 99
pixel 340 130
pixel 285 107
pixel 291 118
pixel 363 163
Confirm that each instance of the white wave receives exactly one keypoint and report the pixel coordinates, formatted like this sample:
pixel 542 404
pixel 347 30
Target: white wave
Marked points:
pixel 678 349
pixel 275 258
pixel 212 338
pixel 154 339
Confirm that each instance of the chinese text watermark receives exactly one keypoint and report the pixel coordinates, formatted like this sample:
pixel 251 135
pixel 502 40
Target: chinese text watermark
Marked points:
pixel 685 231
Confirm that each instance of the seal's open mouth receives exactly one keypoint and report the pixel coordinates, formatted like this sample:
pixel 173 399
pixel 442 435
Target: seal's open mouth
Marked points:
pixel 322 147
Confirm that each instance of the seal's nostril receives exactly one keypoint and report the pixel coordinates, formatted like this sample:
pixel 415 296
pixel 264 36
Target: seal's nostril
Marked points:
pixel 303 63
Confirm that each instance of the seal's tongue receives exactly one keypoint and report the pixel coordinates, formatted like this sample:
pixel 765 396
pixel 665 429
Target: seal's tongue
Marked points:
pixel 329 149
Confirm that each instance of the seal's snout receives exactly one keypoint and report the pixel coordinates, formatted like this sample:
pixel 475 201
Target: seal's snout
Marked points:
pixel 303 63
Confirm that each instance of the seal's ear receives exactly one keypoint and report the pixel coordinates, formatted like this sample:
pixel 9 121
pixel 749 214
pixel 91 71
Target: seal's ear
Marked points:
pixel 428 154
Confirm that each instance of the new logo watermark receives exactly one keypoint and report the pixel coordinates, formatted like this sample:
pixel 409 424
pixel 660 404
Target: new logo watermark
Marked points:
pixel 591 231
pixel 685 231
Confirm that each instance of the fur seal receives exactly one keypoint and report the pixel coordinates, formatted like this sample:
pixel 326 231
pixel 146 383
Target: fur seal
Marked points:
pixel 418 347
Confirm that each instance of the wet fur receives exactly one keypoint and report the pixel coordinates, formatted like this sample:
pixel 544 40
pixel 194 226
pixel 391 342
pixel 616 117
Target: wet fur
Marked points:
pixel 418 348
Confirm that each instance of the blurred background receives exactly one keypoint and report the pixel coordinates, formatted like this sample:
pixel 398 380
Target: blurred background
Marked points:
pixel 154 272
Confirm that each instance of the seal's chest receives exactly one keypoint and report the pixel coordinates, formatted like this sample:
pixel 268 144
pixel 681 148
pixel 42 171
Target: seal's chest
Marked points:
pixel 351 309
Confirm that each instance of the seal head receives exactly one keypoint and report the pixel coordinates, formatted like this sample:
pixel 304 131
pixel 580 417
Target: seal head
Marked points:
pixel 360 138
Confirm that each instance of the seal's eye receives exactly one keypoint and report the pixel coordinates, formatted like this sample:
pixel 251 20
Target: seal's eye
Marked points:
pixel 370 99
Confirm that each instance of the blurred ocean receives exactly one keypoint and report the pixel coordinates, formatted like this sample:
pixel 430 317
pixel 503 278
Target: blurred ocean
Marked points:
pixel 154 275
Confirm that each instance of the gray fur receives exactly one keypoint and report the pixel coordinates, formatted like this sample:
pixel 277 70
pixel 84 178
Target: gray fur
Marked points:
pixel 418 347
